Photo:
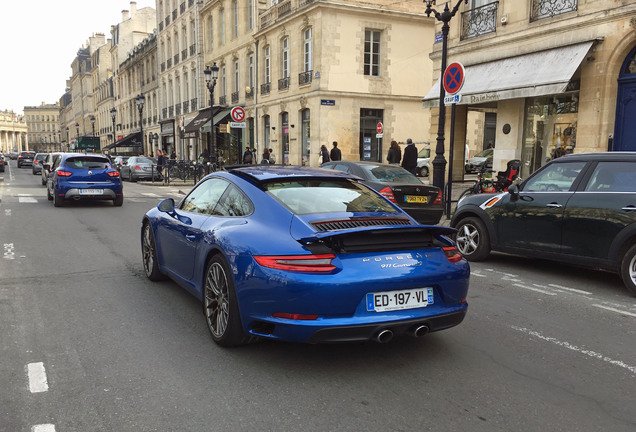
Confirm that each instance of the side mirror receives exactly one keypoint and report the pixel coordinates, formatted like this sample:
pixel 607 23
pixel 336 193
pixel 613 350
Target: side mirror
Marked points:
pixel 513 190
pixel 166 205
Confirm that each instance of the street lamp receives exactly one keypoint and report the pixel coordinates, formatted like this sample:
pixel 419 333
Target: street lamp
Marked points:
pixel 68 142
pixel 211 75
pixel 113 116
pixel 77 139
pixel 155 138
pixel 439 163
pixel 59 139
pixel 93 124
pixel 140 100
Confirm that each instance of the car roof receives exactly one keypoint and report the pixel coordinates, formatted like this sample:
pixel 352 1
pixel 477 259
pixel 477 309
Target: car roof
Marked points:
pixel 70 155
pixel 263 173
pixel 598 156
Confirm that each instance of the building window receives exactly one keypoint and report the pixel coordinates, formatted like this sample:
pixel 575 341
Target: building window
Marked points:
pixel 235 19
pixel 372 52
pixel 223 82
pixel 250 70
pixel 308 51
pixel 211 37
pixel 266 127
pixel 285 58
pixel 250 14
pixel 268 69
pixel 236 76
pixel 306 142
pixel 222 12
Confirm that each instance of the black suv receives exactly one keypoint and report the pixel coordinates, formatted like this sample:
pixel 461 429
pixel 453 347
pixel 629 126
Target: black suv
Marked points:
pixel 578 209
pixel 25 158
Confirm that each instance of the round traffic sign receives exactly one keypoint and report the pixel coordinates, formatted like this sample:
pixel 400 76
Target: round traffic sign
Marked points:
pixel 454 78
pixel 238 114
pixel 379 128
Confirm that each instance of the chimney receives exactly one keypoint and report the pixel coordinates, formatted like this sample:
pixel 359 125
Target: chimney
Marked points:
pixel 124 15
pixel 133 8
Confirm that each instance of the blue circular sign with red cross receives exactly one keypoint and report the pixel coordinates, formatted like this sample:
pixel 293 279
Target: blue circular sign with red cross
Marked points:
pixel 454 78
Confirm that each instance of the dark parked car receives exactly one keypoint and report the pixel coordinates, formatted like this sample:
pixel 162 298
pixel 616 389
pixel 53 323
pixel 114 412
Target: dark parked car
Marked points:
pixel 36 166
pixel 422 202
pixel 304 255
pixel 47 165
pixel 3 162
pixel 84 176
pixel 139 168
pixel 25 158
pixel 578 209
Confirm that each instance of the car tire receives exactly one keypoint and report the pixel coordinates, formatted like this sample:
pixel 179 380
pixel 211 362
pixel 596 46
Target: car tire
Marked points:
pixel 220 304
pixel 130 177
pixel 118 201
pixel 149 254
pixel 628 269
pixel 472 239
pixel 43 182
pixel 48 195
pixel 58 201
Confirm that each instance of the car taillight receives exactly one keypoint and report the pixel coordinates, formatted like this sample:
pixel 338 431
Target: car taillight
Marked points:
pixel 137 167
pixel 452 254
pixel 388 194
pixel 299 263
pixel 63 173
pixel 438 199
pixel 35 162
pixel 113 173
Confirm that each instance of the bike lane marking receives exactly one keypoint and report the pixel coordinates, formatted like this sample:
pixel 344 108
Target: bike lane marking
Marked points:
pixel 37 377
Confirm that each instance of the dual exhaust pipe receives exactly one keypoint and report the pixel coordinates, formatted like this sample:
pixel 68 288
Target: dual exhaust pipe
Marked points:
pixel 418 330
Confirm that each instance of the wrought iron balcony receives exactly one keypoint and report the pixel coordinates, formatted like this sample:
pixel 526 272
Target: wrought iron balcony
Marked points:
pixel 235 97
pixel 163 67
pixel 161 26
pixel 154 119
pixel 541 9
pixel 186 107
pixel 222 100
pixel 190 3
pixel 304 77
pixel 250 94
pixel 283 83
pixel 171 111
pixel 265 88
pixel 193 49
pixel 184 54
pixel 193 104
pixel 177 109
pixel 182 7
pixel 281 10
pixel 174 15
pixel 169 63
pixel 164 113
pixel 176 59
pixel 479 21
pixel 167 20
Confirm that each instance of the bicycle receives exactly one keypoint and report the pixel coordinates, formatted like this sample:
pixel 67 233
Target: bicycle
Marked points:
pixel 489 185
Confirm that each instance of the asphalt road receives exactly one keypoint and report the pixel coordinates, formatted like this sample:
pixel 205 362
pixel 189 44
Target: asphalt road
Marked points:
pixel 87 343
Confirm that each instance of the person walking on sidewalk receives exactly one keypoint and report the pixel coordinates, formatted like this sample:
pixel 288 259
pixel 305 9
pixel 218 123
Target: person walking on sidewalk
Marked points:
pixel 395 153
pixel 335 154
pixel 409 161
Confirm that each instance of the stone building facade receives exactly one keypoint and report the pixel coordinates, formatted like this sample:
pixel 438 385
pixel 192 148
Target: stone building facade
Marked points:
pixel 13 132
pixel 43 126
pixel 548 75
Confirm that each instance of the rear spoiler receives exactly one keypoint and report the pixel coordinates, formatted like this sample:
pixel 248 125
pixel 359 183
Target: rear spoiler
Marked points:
pixel 429 230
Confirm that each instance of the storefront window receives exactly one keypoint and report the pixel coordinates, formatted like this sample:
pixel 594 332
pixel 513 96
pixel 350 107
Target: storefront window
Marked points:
pixel 549 130
pixel 305 136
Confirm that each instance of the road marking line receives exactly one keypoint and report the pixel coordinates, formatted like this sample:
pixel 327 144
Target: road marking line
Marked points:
pixel 37 377
pixel 478 275
pixel 150 194
pixel 502 273
pixel 27 199
pixel 535 289
pixel 570 289
pixel 43 428
pixel 569 346
pixel 614 310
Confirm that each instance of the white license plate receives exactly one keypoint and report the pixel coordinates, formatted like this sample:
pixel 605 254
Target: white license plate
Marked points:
pixel 91 191
pixel 397 300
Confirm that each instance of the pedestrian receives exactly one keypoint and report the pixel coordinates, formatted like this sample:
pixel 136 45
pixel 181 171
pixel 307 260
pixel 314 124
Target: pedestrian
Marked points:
pixel 204 157
pixel 409 162
pixel 324 155
pixel 335 153
pixel 248 156
pixel 272 157
pixel 161 161
pixel 395 153
pixel 265 159
pixel 173 155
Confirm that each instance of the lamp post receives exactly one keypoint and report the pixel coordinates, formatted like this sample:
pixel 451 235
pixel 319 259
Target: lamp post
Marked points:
pixel 77 135
pixel 59 139
pixel 93 124
pixel 68 142
pixel 113 116
pixel 140 100
pixel 211 75
pixel 155 138
pixel 439 163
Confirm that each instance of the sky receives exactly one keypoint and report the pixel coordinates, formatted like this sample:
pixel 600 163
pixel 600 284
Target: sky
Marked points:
pixel 39 40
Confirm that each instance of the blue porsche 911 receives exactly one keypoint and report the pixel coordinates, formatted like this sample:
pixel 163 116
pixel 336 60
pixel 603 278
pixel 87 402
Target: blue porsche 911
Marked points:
pixel 304 255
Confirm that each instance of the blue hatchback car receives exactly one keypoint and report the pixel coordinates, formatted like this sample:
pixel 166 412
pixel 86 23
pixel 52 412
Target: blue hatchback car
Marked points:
pixel 304 255
pixel 80 176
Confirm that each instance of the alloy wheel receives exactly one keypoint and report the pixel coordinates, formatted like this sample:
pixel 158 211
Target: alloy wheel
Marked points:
pixel 217 300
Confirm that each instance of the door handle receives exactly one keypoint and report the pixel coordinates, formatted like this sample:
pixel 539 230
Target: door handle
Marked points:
pixel 191 237
pixel 554 205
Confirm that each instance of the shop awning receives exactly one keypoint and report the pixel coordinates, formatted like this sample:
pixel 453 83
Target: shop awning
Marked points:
pixel 203 119
pixel 535 74
pixel 132 140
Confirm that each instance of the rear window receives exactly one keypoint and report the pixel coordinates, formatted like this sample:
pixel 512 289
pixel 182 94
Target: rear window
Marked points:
pixel 26 153
pixel 327 196
pixel 87 162
pixel 40 157
pixel 390 174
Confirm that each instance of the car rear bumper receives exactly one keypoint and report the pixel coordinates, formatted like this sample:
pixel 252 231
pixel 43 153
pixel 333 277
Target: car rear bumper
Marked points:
pixel 108 194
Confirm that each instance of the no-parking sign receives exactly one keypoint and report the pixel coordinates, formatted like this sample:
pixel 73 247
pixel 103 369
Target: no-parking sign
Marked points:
pixel 454 76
